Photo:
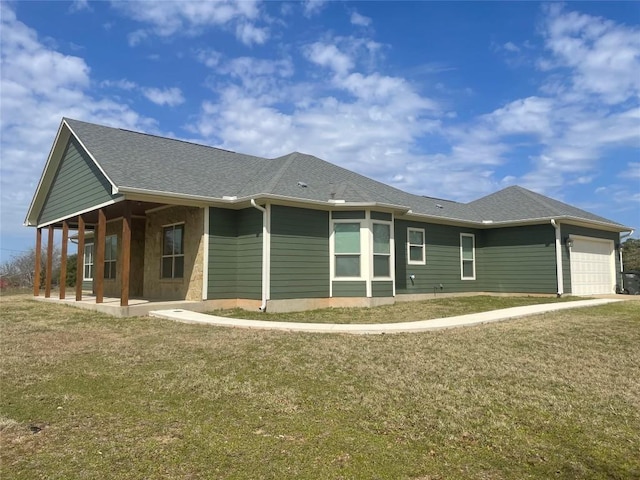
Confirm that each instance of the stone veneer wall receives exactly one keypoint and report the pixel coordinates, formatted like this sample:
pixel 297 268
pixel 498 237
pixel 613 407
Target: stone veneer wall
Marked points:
pixel 189 287
pixel 112 287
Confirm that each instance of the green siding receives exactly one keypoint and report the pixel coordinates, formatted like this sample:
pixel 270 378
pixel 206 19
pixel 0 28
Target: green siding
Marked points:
pixel 353 214
pixel 517 259
pixel 382 288
pixel 299 253
pixel 235 254
pixel 565 231
pixel 442 260
pixel 77 185
pixel 350 289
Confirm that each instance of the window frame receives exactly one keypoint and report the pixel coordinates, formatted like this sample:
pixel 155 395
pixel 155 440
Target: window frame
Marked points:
pixel 473 254
pixel 173 255
pixel 85 263
pixel 389 225
pixel 334 254
pixel 424 246
pixel 110 264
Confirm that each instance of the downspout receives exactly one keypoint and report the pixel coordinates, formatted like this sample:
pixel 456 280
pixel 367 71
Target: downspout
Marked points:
pixel 620 249
pixel 558 258
pixel 265 255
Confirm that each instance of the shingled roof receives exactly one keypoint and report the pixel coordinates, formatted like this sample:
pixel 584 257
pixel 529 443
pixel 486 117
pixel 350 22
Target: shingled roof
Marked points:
pixel 156 164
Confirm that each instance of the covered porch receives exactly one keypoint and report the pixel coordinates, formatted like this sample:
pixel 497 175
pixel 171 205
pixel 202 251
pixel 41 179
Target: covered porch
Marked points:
pixel 117 264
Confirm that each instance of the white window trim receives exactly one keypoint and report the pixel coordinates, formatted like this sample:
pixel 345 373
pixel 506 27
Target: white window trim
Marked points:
pixel 162 255
pixel 390 254
pixel 85 263
pixel 473 250
pixel 424 246
pixel 363 248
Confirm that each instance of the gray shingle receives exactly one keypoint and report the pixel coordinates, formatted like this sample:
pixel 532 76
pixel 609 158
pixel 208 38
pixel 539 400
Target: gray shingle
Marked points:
pixel 142 161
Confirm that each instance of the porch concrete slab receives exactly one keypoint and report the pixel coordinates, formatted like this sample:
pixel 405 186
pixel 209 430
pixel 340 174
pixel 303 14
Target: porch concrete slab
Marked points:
pixel 111 306
pixel 186 316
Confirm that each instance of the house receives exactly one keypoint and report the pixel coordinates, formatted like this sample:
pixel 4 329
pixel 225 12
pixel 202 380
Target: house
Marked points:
pixel 159 218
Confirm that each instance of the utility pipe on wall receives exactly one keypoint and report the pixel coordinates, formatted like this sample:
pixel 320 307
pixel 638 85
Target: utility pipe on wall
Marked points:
pixel 620 249
pixel 265 254
pixel 558 258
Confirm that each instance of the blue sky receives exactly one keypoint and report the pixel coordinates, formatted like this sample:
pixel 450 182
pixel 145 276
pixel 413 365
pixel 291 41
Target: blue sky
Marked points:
pixel 446 99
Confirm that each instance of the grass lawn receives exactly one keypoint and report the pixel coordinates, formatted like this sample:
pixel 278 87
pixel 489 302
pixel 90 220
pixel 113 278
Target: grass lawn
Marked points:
pixel 86 396
pixel 398 312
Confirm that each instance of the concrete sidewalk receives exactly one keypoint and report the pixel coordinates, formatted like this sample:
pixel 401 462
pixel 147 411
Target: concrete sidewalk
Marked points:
pixel 380 328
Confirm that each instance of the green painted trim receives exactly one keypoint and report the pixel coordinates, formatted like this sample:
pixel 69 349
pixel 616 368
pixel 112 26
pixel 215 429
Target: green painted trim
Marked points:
pixel 382 288
pixel 348 215
pixel 350 289
pixel 386 217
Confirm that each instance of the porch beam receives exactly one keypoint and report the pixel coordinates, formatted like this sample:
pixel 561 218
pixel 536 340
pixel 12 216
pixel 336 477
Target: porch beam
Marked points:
pixel 80 259
pixel 49 273
pixel 63 260
pixel 125 267
pixel 38 261
pixel 99 256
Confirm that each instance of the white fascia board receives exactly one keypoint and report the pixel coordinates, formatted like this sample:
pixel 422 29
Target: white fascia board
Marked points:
pixel 80 212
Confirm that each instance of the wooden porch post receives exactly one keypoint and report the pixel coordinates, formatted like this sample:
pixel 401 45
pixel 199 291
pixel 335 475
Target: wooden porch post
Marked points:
pixel 80 263
pixel 47 286
pixel 63 260
pixel 126 255
pixel 98 266
pixel 36 274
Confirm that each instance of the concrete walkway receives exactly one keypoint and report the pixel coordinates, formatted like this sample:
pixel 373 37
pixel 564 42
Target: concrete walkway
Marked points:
pixel 379 328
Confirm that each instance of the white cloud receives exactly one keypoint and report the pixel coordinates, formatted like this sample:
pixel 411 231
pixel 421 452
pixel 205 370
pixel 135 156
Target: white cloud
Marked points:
pixel 328 55
pixel 249 34
pixel 122 84
pixel 167 96
pixel 511 47
pixel 192 17
pixel 210 58
pixel 38 86
pixel 360 20
pixel 312 7
pixel 604 56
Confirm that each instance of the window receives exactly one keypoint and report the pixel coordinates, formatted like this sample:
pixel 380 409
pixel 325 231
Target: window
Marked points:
pixel 110 256
pixel 88 261
pixel 346 238
pixel 173 251
pixel 468 256
pixel 415 246
pixel 381 249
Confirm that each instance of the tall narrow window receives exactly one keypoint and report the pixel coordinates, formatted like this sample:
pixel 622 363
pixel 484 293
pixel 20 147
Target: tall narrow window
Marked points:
pixel 468 256
pixel 173 251
pixel 346 237
pixel 415 246
pixel 110 256
pixel 381 249
pixel 88 261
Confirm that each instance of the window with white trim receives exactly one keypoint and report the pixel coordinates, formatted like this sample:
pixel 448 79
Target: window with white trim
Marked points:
pixel 88 261
pixel 467 256
pixel 416 251
pixel 381 250
pixel 346 241
pixel 110 256
pixel 173 251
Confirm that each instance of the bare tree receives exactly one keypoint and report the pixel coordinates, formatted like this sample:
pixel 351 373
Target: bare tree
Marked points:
pixel 19 271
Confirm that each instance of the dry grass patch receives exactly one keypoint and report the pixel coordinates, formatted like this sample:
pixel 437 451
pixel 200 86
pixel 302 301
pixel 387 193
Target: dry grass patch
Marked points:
pixel 399 312
pixel 553 396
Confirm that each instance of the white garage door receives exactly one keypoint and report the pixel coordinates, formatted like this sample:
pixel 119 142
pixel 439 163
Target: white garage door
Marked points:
pixel 592 266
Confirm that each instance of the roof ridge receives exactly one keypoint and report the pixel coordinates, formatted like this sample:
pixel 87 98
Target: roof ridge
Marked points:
pixel 278 176
pixel 173 139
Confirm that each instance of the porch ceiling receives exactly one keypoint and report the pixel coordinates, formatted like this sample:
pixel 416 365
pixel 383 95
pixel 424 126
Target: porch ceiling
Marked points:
pixel 115 210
